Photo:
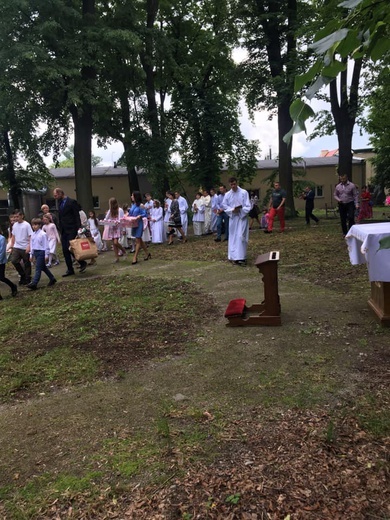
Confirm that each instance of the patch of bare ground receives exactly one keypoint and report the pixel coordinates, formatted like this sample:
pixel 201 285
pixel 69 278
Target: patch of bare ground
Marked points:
pixel 327 459
pixel 300 465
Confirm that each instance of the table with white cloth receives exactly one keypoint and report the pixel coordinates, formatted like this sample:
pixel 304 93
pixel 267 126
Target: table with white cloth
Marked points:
pixel 369 244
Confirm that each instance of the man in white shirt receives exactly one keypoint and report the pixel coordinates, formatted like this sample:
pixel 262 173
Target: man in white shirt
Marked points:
pixel 237 205
pixel 183 206
pixel 20 244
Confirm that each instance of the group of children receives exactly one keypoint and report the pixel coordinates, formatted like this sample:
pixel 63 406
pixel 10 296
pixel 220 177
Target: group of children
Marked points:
pixel 27 244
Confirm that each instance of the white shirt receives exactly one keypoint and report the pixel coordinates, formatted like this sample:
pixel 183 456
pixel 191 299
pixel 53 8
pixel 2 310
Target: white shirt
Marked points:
pixel 22 232
pixel 39 242
pixel 182 205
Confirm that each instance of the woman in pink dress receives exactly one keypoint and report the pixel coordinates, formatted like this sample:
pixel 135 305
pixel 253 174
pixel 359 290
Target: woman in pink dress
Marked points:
pixel 113 216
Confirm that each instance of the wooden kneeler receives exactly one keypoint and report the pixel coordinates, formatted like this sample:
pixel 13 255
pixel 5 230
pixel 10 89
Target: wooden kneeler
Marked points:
pixel 265 313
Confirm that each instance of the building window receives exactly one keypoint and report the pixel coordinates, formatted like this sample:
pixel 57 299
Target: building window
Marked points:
pixel 319 191
pixel 96 202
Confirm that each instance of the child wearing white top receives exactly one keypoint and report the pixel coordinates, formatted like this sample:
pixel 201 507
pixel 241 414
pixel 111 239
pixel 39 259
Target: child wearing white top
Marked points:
pixel 93 225
pixel 53 238
pixel 157 223
pixel 39 251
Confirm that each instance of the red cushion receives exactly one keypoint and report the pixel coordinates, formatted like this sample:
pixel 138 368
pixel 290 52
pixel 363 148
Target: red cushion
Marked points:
pixel 235 307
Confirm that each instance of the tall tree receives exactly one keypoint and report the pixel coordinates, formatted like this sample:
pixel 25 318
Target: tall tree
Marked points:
pixel 60 39
pixel 122 111
pixel 270 34
pixel 22 108
pixel 378 125
pixel 344 94
pixel 358 29
pixel 205 91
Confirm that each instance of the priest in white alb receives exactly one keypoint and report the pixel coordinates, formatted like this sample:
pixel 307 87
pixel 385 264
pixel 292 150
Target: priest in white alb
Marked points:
pixel 236 204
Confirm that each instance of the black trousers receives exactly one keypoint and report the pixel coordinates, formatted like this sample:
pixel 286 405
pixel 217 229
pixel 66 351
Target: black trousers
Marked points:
pixel 3 279
pixel 347 215
pixel 309 213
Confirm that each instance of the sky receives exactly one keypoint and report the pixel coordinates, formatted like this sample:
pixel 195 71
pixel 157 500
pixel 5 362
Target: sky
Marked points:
pixel 264 131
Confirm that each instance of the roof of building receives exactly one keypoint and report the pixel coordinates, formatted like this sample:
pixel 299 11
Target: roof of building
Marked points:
pixel 306 162
pixel 265 164
pixel 329 153
pixel 97 171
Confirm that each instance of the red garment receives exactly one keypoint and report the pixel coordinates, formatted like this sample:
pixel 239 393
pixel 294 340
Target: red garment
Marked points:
pixel 365 208
pixel 272 214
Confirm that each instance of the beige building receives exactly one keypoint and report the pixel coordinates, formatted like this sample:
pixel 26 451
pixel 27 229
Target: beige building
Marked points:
pixel 367 154
pixel 111 181
pixel 319 170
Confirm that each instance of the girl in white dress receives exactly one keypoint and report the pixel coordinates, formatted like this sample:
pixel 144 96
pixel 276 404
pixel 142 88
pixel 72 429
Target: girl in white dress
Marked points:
pixel 157 223
pixel 93 225
pixel 53 238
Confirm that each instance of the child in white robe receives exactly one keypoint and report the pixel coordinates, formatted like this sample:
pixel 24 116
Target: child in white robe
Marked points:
pixel 157 223
pixel 198 209
pixel 167 213
pixel 206 198
pixel 214 210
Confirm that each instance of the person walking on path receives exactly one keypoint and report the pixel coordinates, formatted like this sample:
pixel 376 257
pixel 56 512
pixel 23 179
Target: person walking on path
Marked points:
pixel 347 197
pixel 137 210
pixel 365 206
pixel 237 206
pixel 20 246
pixel 276 207
pixel 255 211
pixel 183 205
pixel 3 261
pixel 40 254
pixel 53 238
pixel 114 215
pixel 198 218
pixel 175 223
pixel 222 216
pixel 206 197
pixel 70 223
pixel 157 223
pixel 308 196
pixel 214 217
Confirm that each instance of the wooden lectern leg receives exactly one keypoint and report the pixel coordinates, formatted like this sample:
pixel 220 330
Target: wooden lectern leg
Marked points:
pixel 379 302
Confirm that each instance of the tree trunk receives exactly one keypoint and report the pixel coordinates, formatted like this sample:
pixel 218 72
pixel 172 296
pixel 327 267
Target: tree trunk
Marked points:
pixel 158 144
pixel 344 111
pixel 83 157
pixel 83 120
pixel 285 151
pixel 15 193
pixel 131 169
pixel 278 58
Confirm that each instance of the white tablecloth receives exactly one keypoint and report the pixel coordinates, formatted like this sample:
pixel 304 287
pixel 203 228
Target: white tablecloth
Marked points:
pixel 363 247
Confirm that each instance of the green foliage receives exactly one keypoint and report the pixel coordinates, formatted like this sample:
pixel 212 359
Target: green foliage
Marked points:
pixel 205 94
pixel 378 125
pixel 68 162
pixel 361 30
pixel 233 499
pixel 273 34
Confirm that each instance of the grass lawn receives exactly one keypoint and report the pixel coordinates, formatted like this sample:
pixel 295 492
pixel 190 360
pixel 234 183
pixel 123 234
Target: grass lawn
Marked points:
pixel 124 395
